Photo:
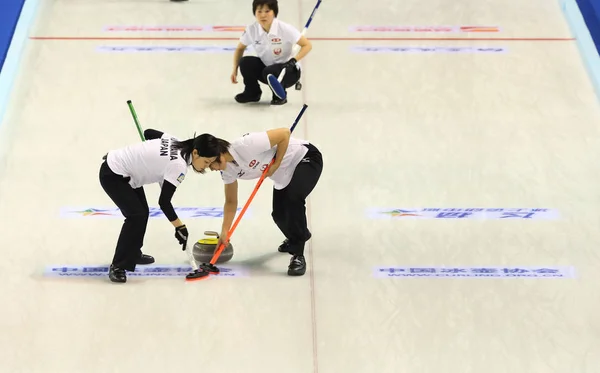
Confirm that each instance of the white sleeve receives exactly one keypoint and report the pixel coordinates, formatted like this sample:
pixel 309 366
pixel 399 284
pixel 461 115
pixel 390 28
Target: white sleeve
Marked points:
pixel 245 38
pixel 255 143
pixel 175 173
pixel 228 177
pixel 293 33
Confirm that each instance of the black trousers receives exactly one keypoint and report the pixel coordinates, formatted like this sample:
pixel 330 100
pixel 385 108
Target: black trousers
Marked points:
pixel 134 207
pixel 289 203
pixel 254 70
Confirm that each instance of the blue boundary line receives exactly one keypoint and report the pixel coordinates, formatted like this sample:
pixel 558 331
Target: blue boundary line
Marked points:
pixel 587 48
pixel 15 51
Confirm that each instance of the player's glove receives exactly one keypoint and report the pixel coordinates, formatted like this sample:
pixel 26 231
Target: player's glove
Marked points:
pixel 291 64
pixel 181 233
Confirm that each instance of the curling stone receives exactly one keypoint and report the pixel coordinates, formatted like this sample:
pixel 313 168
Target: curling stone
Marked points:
pixel 205 248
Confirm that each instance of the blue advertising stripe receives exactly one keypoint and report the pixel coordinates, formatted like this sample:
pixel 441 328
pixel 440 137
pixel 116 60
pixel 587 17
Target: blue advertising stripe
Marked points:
pixel 596 6
pixel 11 63
pixel 590 10
pixel 586 45
pixel 10 10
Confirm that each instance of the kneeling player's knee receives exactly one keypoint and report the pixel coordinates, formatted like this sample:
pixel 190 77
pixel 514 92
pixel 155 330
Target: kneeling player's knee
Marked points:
pixel 248 63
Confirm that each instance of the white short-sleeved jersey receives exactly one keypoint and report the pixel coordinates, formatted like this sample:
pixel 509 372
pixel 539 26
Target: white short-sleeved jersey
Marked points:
pixel 274 46
pixel 252 153
pixel 149 162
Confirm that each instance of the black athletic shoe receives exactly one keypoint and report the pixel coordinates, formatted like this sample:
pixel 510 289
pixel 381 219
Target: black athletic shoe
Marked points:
pixel 284 247
pixel 117 274
pixel 145 259
pixel 244 97
pixel 297 266
pixel 277 101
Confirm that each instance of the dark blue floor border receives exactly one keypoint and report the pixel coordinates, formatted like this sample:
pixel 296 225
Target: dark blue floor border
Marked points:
pixel 23 12
pixel 10 11
pixel 590 10
pixel 585 42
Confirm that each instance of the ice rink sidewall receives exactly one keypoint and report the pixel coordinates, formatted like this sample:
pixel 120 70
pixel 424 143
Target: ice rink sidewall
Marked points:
pixel 10 10
pixel 583 17
pixel 590 10
pixel 16 17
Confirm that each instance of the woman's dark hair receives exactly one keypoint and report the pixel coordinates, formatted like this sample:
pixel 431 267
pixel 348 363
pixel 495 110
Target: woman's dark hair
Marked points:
pixel 271 4
pixel 206 145
pixel 209 146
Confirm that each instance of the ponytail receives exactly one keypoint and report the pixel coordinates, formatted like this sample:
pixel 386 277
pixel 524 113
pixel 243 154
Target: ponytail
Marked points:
pixel 185 147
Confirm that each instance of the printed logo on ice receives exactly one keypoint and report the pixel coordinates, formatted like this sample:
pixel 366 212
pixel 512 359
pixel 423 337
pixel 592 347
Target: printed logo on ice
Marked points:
pixel 176 28
pixel 140 271
pixel 166 49
pixel 432 49
pixel 436 29
pixel 155 212
pixel 476 272
pixel 463 213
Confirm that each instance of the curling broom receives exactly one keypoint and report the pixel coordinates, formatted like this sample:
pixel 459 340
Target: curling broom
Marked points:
pixel 207 268
pixel 275 82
